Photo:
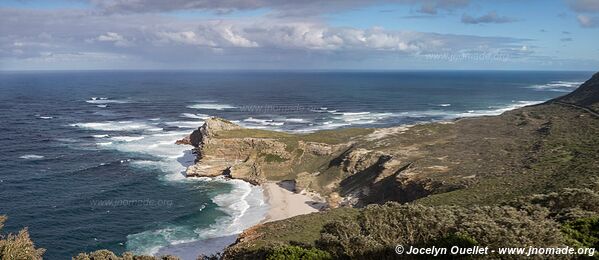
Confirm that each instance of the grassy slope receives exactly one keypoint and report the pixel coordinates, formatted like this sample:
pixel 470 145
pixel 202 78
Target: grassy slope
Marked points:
pixel 532 150
pixel 564 152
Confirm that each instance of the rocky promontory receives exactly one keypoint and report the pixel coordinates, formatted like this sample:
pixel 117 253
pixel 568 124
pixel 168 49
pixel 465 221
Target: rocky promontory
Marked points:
pixel 526 177
pixel 432 161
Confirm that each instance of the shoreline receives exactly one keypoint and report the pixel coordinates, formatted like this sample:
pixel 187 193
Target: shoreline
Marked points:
pixel 284 203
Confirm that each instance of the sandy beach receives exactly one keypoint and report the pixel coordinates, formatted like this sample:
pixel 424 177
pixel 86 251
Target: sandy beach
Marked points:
pixel 284 203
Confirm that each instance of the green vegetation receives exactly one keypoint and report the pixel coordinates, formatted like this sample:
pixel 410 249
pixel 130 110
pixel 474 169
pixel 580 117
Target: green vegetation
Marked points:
pixel 379 228
pixel 557 148
pixel 108 255
pixel 568 217
pixel 297 253
pixel 19 246
pixel 291 140
pixel 583 232
pixel 272 158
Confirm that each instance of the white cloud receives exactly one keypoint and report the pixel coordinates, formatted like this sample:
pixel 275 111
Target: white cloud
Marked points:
pixel 280 7
pixel 587 21
pixel 244 43
pixel 115 38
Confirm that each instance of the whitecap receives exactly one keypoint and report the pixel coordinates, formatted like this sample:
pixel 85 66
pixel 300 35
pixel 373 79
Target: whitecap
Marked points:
pixel 557 86
pixel 446 114
pixel 359 118
pixel 493 111
pixel 101 106
pixel 185 124
pixel 444 105
pixel 195 116
pixel 295 120
pixel 103 100
pixel 117 126
pixel 127 138
pixel 31 157
pixel 211 106
pixel 244 207
pixel 266 122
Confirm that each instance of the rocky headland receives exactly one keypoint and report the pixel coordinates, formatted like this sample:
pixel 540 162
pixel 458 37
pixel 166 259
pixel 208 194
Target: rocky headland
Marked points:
pixel 466 162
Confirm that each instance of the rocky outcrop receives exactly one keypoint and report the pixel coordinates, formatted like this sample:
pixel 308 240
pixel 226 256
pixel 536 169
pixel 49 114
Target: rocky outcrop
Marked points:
pixel 346 172
pixel 211 127
pixel 236 157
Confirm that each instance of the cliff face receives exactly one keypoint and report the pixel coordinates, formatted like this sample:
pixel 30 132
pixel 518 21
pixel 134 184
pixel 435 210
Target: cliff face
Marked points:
pixel 487 161
pixel 362 166
pixel 342 165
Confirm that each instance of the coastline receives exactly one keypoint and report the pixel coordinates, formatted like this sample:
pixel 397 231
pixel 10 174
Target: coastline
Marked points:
pixel 285 203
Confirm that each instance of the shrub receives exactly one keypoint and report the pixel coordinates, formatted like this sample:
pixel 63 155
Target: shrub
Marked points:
pixel 379 228
pixel 582 232
pixel 297 253
pixel 19 246
pixel 109 255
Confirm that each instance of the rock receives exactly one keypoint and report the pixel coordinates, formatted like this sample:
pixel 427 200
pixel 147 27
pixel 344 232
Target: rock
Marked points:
pixel 211 126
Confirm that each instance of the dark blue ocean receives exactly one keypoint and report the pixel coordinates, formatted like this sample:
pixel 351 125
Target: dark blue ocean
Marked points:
pixel 88 160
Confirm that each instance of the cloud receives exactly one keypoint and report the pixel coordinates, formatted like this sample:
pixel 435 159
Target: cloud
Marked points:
pixel 491 17
pixel 587 21
pixel 115 38
pixel 281 7
pixel 584 6
pixel 281 43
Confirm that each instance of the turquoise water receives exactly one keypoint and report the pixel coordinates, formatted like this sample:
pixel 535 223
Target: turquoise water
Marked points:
pixel 88 160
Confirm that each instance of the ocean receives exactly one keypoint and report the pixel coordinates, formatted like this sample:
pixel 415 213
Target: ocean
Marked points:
pixel 88 160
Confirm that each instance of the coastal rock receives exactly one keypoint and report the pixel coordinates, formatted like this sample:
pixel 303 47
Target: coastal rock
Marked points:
pixel 237 156
pixel 358 160
pixel 210 127
pixel 318 149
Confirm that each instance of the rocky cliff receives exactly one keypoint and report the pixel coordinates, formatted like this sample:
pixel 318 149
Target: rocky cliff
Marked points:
pixel 362 166
pixel 550 149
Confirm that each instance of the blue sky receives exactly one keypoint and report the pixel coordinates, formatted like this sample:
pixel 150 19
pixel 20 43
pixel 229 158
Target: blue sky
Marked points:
pixel 311 34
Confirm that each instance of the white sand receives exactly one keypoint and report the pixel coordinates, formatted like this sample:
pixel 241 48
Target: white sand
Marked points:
pixel 285 204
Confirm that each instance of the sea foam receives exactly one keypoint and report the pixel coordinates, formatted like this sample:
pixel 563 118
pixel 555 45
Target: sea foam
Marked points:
pixel 558 86
pixel 117 126
pixel 31 157
pixel 103 100
pixel 210 106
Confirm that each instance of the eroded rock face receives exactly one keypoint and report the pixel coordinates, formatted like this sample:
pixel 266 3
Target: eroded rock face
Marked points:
pixel 237 157
pixel 351 172
pixel 210 128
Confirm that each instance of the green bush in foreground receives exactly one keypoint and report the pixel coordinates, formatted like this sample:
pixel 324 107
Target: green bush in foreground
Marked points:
pixel 109 255
pixel 379 228
pixel 583 232
pixel 19 246
pixel 297 253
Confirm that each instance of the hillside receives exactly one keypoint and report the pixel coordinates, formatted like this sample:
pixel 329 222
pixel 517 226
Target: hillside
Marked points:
pixel 471 162
pixel 587 95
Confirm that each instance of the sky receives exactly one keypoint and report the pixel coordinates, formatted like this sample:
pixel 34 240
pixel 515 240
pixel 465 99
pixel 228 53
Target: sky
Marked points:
pixel 299 34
